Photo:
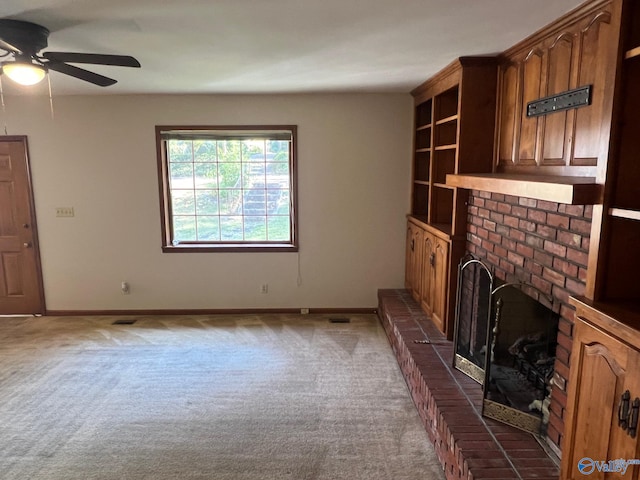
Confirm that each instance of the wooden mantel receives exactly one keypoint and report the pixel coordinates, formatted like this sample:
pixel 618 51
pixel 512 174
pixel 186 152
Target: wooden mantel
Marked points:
pixel 561 189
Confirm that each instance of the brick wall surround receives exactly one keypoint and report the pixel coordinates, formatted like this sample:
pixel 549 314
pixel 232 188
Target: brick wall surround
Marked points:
pixel 540 243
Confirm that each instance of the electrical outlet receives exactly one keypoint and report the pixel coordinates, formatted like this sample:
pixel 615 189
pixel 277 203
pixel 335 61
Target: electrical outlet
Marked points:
pixel 264 288
pixel 64 212
pixel 126 288
pixel 304 311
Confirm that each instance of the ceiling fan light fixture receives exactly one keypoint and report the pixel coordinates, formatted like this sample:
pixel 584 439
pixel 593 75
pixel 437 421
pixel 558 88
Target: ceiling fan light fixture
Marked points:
pixel 24 73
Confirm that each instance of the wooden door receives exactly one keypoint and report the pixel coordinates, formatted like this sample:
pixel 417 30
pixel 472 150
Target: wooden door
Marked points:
pixel 602 369
pixel 413 276
pixel 598 53
pixel 439 282
pixel 20 273
pixel 557 128
pixel 533 83
pixel 426 292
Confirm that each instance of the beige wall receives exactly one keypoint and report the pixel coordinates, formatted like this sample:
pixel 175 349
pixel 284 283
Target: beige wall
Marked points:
pixel 98 156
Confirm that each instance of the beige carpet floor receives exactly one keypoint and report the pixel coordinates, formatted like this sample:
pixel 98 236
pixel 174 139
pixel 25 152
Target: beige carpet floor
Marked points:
pixel 206 397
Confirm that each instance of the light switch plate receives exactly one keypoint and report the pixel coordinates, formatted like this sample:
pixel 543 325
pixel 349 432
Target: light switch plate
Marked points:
pixel 64 212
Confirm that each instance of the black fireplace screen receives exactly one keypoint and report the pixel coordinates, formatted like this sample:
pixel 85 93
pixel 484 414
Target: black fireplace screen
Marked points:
pixel 506 340
pixel 473 307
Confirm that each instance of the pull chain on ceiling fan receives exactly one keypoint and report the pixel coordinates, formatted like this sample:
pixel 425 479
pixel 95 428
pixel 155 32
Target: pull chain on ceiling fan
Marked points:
pixel 24 41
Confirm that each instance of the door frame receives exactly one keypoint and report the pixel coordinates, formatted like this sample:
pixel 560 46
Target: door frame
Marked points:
pixel 42 310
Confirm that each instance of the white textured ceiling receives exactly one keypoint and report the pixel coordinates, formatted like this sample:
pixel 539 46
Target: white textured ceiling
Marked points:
pixel 279 46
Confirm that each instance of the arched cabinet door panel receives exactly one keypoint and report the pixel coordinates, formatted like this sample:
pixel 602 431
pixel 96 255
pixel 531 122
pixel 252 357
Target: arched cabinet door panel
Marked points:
pixel 604 386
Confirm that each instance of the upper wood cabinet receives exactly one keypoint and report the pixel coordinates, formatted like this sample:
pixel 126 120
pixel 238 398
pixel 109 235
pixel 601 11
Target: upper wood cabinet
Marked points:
pixel 580 50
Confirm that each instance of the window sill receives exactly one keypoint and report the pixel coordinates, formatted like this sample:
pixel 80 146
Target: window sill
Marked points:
pixel 240 248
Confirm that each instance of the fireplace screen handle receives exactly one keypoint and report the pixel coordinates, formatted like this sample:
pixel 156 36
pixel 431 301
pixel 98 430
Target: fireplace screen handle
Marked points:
pixel 623 410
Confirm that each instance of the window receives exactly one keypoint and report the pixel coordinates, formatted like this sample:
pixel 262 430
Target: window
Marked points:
pixel 227 188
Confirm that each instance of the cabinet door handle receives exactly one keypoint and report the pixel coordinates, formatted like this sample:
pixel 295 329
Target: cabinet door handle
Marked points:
pixel 623 410
pixel 413 242
pixel 633 421
pixel 432 259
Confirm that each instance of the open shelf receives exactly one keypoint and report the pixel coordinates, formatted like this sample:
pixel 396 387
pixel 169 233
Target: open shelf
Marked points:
pixel 446 134
pixel 423 139
pixel 444 185
pixel 634 52
pixel 623 263
pixel 444 163
pixel 420 200
pixel 446 104
pixel 624 213
pixel 452 118
pixel 423 115
pixel 446 147
pixel 441 205
pixel 561 189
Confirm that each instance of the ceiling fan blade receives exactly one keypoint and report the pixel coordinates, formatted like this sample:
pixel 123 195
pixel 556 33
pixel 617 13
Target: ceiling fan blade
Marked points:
pixel 93 58
pixel 81 73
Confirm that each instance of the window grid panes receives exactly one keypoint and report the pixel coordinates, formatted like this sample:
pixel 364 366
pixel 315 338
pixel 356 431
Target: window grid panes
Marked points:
pixel 229 191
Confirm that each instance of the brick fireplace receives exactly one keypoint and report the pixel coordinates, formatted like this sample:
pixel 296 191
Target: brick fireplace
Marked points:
pixel 536 242
pixel 544 244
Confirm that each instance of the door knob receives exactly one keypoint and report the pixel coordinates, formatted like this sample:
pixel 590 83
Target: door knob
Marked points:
pixel 27 244
pixel 25 225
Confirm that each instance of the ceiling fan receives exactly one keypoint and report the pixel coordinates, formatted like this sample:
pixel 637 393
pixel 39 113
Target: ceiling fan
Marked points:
pixel 24 40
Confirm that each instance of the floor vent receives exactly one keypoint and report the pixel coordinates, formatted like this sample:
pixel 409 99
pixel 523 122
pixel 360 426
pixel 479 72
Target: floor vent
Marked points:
pixel 340 320
pixel 125 321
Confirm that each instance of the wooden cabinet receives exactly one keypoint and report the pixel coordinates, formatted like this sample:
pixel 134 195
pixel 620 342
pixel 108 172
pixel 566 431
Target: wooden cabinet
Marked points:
pixel 414 262
pixel 435 277
pixel 454 133
pixel 579 51
pixel 605 361
pixel 427 270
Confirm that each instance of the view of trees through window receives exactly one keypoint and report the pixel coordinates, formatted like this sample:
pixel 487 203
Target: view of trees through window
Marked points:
pixel 229 190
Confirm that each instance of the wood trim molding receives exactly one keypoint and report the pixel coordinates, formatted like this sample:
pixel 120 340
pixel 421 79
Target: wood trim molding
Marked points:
pixel 434 85
pixel 210 311
pixel 556 26
pixel 561 189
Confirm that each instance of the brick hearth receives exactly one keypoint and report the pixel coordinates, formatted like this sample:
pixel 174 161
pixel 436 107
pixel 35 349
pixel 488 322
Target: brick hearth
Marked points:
pixel 469 446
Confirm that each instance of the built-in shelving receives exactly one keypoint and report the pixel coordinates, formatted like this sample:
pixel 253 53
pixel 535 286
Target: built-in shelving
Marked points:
pixel 619 260
pixel 460 98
